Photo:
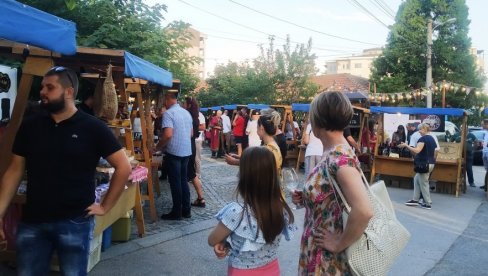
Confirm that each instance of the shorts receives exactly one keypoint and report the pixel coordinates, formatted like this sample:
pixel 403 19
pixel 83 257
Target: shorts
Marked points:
pixel 239 139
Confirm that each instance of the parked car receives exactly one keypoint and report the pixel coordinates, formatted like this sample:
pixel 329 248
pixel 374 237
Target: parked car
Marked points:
pixel 450 130
pixel 478 146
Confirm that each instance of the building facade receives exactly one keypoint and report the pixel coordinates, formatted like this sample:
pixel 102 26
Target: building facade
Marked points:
pixel 359 65
pixel 197 49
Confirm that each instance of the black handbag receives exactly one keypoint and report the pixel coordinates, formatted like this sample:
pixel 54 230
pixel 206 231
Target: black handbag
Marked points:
pixel 420 166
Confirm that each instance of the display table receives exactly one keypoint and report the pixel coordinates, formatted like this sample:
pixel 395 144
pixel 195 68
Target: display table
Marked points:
pixel 127 201
pixel 444 170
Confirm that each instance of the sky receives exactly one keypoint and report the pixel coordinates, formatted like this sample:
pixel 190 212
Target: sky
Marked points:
pixel 234 30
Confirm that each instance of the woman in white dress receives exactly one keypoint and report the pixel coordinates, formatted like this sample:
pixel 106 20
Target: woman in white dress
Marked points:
pixel 252 130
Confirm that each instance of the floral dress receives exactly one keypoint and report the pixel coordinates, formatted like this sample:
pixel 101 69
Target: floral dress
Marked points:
pixel 322 209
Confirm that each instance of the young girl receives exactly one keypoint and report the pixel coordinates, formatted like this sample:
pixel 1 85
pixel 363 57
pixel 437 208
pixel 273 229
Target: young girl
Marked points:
pixel 250 229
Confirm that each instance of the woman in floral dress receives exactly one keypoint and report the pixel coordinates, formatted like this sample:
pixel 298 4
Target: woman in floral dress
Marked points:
pixel 324 237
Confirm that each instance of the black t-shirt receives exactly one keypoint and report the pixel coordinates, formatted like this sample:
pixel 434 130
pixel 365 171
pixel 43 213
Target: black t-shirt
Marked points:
pixel 347 132
pixel 60 160
pixel 427 152
pixel 281 141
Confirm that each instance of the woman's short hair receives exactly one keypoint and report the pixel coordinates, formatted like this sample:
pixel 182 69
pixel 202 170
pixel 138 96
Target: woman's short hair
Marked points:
pixel 424 126
pixel 331 111
pixel 270 120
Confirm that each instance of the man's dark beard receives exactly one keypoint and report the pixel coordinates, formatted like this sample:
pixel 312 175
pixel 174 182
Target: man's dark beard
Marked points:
pixel 54 106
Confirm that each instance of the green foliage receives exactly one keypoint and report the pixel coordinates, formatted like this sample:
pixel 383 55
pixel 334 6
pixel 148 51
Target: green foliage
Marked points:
pixel 404 57
pixel 130 25
pixel 239 84
pixel 275 77
pixel 290 70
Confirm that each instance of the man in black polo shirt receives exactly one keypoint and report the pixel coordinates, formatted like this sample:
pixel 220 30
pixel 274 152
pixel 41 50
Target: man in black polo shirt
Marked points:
pixel 60 150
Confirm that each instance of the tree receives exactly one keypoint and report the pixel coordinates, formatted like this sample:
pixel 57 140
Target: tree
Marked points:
pixel 129 25
pixel 236 83
pixel 402 66
pixel 290 70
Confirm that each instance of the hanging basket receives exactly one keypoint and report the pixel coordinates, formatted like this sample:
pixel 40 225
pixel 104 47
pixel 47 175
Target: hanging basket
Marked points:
pixel 106 105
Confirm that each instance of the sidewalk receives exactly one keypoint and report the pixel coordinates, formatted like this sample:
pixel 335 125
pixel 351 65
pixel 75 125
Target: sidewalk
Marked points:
pixel 445 241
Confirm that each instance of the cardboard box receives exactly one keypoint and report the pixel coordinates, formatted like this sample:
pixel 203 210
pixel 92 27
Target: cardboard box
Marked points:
pixel 93 258
pixel 125 203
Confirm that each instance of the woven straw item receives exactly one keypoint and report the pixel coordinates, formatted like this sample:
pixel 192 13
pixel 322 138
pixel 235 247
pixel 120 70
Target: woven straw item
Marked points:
pixel 384 238
pixel 106 99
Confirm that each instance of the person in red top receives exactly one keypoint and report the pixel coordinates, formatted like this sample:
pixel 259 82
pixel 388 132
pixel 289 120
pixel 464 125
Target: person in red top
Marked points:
pixel 368 139
pixel 239 125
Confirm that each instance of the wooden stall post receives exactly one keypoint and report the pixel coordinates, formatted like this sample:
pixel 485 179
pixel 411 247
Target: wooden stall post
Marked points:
pixel 135 87
pixel 34 66
pixel 379 139
pixel 460 160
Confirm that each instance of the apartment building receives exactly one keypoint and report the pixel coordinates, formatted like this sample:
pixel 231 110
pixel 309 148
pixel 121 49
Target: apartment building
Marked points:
pixel 359 65
pixel 197 49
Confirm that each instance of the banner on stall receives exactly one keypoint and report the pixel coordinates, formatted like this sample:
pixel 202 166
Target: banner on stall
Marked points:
pixel 391 123
pixel 8 90
pixel 436 122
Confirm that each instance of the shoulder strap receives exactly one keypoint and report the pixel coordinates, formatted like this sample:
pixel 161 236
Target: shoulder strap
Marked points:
pixel 338 189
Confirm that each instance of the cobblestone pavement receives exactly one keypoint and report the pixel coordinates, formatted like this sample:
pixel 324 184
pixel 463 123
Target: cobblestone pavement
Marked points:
pixel 219 182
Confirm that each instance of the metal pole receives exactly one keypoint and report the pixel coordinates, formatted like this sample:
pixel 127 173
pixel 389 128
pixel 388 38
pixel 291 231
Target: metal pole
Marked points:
pixel 428 77
pixel 443 93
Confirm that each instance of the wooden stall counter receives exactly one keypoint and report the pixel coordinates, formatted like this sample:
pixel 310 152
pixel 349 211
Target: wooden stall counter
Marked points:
pixel 445 170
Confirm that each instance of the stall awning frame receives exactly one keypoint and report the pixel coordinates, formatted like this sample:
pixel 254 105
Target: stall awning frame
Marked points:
pixel 25 24
pixel 137 67
pixel 458 112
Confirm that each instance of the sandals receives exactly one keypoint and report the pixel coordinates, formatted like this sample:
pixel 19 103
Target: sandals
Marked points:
pixel 199 202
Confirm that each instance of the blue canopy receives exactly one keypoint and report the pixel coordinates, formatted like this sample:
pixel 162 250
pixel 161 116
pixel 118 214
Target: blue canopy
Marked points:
pixel 257 106
pixel 486 111
pixel 25 24
pixel 215 108
pixel 418 110
pixel 136 67
pixel 203 109
pixel 300 107
pixel 230 106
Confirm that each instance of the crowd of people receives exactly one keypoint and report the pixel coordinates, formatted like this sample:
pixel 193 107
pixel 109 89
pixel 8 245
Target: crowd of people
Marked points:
pixel 249 229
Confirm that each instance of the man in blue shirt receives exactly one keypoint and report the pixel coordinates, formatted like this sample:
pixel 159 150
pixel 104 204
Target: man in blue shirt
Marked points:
pixel 175 141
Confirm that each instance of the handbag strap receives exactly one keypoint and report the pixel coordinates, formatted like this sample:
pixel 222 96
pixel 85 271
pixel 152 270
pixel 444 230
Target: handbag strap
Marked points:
pixel 338 189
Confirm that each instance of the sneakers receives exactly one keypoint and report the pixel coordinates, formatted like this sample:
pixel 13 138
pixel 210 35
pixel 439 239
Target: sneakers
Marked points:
pixel 472 185
pixel 412 203
pixel 426 206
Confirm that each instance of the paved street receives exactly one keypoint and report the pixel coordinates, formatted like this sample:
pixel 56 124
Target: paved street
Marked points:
pixel 450 239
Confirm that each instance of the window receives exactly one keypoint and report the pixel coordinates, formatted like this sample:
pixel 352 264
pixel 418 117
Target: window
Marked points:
pixel 358 65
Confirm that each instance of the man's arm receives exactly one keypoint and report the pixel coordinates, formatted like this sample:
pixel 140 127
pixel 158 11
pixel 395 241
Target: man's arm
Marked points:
pixel 9 185
pixel 119 161
pixel 167 134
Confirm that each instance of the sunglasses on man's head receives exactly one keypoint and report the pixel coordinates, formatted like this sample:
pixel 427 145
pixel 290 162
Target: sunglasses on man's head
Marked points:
pixel 59 69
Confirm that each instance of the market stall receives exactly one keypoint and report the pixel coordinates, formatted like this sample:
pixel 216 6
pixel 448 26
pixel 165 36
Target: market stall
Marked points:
pixel 448 169
pixel 27 25
pixel 359 120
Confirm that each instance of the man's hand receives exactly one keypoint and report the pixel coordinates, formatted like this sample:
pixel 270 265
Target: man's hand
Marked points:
pixel 221 250
pixel 95 209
